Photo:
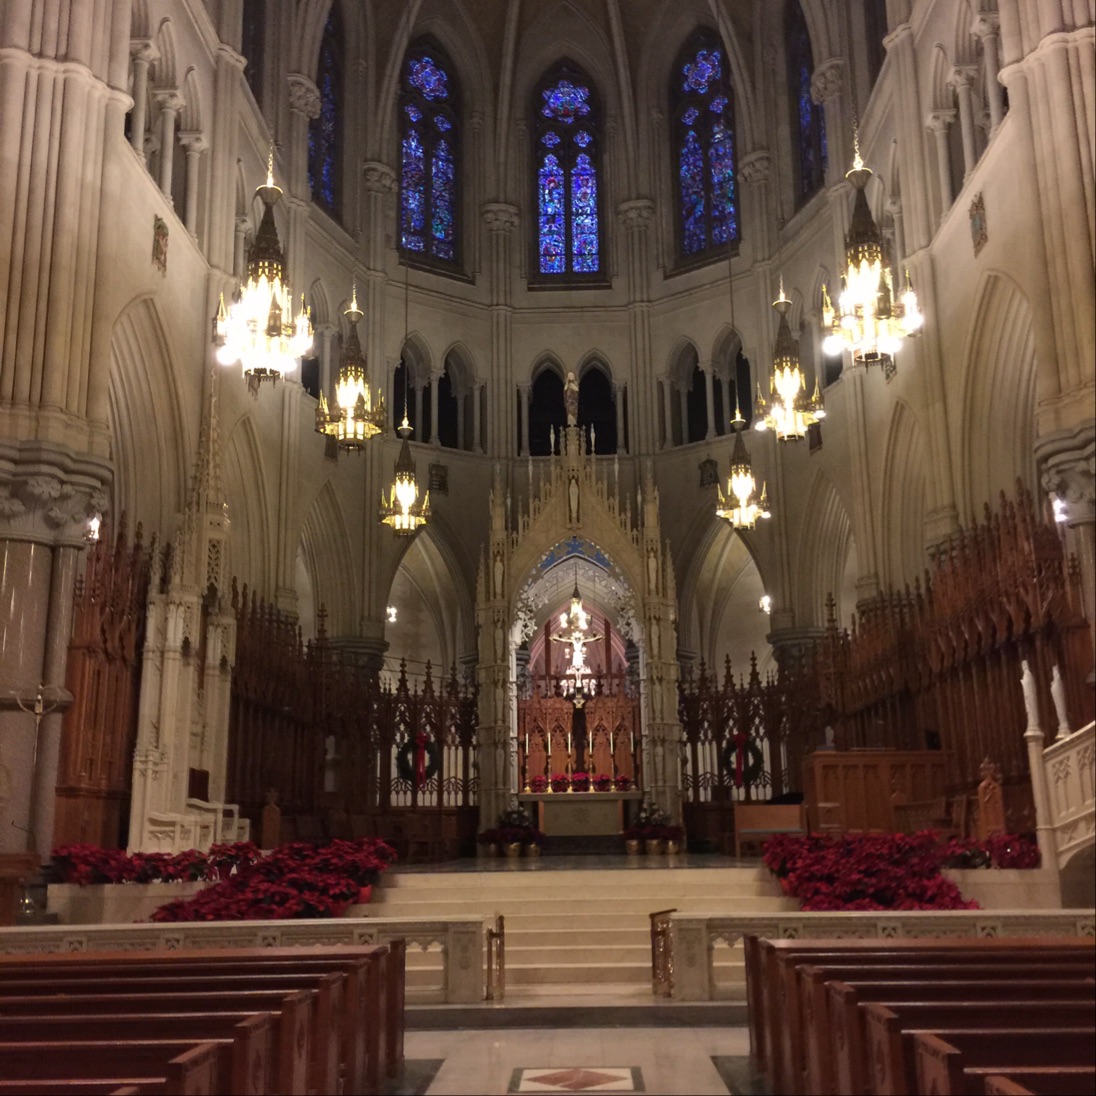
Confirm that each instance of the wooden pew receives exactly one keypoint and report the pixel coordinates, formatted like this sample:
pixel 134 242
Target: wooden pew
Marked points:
pixel 837 1033
pixel 1044 1081
pixel 247 1070
pixel 293 1011
pixel 187 1068
pixel 820 1066
pixel 889 1026
pixel 776 1024
pixel 372 1034
pixel 960 1062
pixel 112 1086
pixel 323 1040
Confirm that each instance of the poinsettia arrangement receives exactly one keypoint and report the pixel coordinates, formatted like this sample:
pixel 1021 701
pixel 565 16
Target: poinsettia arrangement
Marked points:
pixel 653 824
pixel 295 880
pixel 516 827
pixel 580 781
pixel 560 782
pixel 1000 850
pixel 603 782
pixel 538 784
pixel 885 871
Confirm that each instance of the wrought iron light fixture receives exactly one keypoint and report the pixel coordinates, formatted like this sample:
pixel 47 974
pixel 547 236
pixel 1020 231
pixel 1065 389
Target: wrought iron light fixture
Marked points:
pixel 743 504
pixel 258 329
pixel 867 320
pixel 355 416
pixel 403 509
pixel 790 411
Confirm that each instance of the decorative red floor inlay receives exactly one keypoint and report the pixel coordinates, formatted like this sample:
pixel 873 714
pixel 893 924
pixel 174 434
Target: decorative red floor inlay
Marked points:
pixel 577 1079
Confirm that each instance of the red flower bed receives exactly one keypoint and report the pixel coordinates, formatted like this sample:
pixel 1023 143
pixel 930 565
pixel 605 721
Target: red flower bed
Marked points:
pixel 296 880
pixel 892 871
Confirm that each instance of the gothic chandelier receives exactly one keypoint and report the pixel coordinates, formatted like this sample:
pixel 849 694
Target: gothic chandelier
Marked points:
pixel 403 509
pixel 742 505
pixel 867 321
pixel 355 416
pixel 790 411
pixel 258 329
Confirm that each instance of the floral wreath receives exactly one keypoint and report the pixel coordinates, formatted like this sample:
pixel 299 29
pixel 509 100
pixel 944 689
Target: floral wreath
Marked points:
pixel 743 758
pixel 408 766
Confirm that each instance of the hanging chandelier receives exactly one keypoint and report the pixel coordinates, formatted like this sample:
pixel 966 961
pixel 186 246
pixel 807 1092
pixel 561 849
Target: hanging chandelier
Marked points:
pixel 790 411
pixel 867 321
pixel 258 329
pixel 574 631
pixel 355 416
pixel 742 505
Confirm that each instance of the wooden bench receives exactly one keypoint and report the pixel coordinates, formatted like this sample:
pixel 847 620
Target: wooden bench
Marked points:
pixel 775 1020
pixel 176 1066
pixel 1042 1081
pixel 753 822
pixel 371 1033
pixel 889 1029
pixel 960 1062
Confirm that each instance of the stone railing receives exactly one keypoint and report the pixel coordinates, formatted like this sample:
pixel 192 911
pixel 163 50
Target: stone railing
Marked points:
pixel 693 936
pixel 461 940
pixel 1070 765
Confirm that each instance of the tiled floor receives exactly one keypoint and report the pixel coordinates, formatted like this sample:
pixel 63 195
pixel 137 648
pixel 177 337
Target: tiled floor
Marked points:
pixel 653 1060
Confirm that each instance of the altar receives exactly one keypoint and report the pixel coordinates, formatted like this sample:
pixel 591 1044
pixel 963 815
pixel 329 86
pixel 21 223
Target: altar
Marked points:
pixel 581 814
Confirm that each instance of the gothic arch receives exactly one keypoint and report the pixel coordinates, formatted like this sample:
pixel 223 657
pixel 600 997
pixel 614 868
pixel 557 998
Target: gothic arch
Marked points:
pixel 547 360
pixel 997 427
pixel 151 467
pixel 822 556
pixel 682 358
pixel 190 119
pixel 318 303
pixel 459 359
pixel 415 354
pixel 329 558
pixel 594 359
pixel 903 499
pixel 249 508
pixel 164 67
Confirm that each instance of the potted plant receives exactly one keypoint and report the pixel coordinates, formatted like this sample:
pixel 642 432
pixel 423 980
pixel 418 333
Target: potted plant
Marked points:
pixel 580 782
pixel 652 823
pixel 633 840
pixel 532 841
pixel 674 836
pixel 488 841
pixel 623 783
pixel 538 784
pixel 561 782
pixel 603 782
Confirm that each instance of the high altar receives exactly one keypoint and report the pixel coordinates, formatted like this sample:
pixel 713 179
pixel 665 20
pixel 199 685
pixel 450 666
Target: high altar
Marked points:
pixel 573 533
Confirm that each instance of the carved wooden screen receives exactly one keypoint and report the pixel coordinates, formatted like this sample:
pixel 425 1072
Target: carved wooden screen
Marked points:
pixel 344 753
pixel 99 730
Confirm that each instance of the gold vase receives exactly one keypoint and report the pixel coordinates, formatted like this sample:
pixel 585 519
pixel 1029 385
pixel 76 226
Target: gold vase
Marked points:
pixel 631 846
pixel 532 849
pixel 672 847
pixel 653 846
pixel 513 850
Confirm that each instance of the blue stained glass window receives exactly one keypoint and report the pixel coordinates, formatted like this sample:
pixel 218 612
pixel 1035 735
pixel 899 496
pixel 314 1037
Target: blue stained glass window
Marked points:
pixel 808 125
pixel 429 157
pixel 702 105
pixel 568 203
pixel 325 130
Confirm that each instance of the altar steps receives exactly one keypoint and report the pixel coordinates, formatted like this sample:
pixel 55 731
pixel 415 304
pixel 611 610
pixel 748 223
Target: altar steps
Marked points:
pixel 578 926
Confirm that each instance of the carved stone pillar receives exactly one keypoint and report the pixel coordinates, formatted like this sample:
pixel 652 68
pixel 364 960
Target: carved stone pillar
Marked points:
pixel 239 246
pixel 938 123
pixel 709 398
pixel 194 144
pixel 435 379
pixel 143 53
pixel 170 103
pixel 827 88
pixel 636 216
pixel 523 408
pixel 667 411
pixel 986 26
pixel 894 208
pixel 501 220
pixel 477 417
pixel 379 184
pixel 619 391
pixel 962 79
pixel 304 105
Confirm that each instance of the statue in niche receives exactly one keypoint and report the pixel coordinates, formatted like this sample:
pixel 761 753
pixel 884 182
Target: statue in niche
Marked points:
pixel 498 574
pixel 652 571
pixel 570 398
pixel 572 498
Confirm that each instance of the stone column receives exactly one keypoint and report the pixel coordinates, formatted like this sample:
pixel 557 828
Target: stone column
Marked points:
pixel 827 87
pixel 326 333
pixel 477 414
pixel 683 410
pixel 239 246
pixel 619 391
pixel 418 410
pixel 523 406
pixel 501 219
pixel 461 397
pixel 379 183
pixel 195 145
pixel 636 216
pixel 435 379
pixel 143 53
pixel 867 582
pixel 170 103
pixel 304 105
pixel 938 123
pixel 894 208
pixel 986 26
pixel 667 411
pixel 709 398
pixel 962 79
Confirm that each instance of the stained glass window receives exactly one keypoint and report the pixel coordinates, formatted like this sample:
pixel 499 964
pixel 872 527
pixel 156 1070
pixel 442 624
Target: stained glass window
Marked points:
pixel 325 130
pixel 429 156
pixel 702 106
pixel 568 204
pixel 808 127
pixel 251 46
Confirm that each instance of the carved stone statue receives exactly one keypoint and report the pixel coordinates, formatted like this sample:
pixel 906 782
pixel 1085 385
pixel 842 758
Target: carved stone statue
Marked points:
pixel 570 399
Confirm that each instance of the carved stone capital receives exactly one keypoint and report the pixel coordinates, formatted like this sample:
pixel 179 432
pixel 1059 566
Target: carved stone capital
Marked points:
pixel 756 167
pixel 304 96
pixel 985 24
pixel 169 99
pixel 378 178
pixel 1067 462
pixel 475 121
pixel 963 76
pixel 142 50
pixel 193 140
pixel 501 216
pixel 828 80
pixel 636 212
pixel 939 119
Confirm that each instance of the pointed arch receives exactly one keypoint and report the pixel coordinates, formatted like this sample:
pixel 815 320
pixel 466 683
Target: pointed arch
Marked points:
pixel 823 554
pixel 903 499
pixel 326 136
pixel 328 555
pixel 190 120
pixel 164 66
pixel 250 507
pixel 318 303
pixel 997 428
pixel 809 152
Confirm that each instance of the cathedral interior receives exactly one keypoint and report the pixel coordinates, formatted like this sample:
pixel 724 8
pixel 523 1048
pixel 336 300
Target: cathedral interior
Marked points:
pixel 517 346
